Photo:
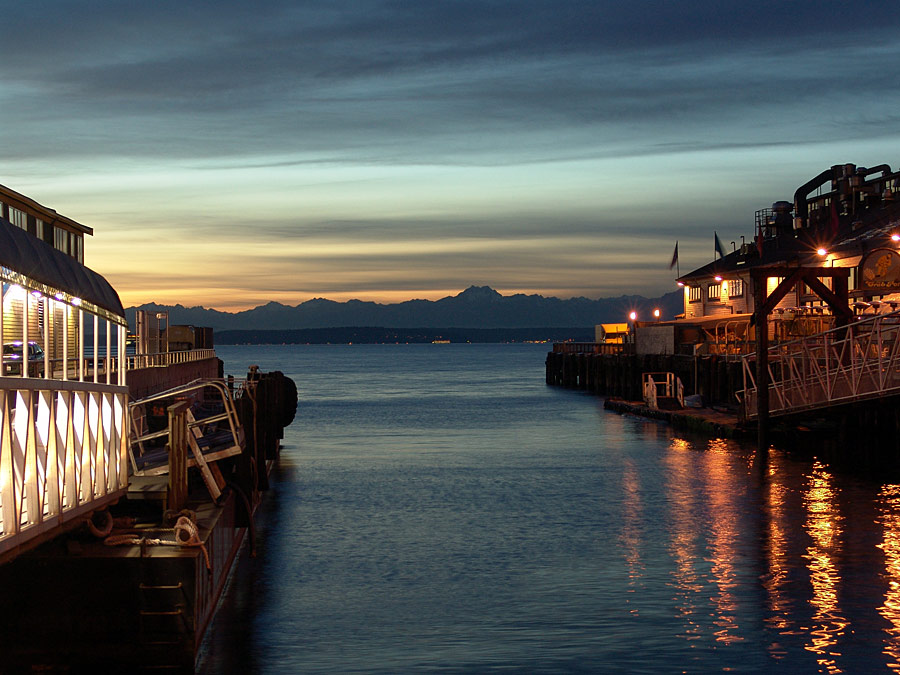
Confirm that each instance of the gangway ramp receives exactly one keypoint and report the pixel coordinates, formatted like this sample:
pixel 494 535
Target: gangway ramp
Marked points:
pixel 843 365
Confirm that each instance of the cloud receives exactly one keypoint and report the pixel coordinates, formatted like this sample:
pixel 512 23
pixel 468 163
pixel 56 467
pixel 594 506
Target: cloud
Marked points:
pixel 602 131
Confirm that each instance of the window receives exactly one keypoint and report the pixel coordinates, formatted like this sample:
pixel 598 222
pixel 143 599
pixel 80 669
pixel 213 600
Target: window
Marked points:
pixel 60 239
pixel 714 292
pixel 735 288
pixel 47 230
pixel 18 218
pixel 695 293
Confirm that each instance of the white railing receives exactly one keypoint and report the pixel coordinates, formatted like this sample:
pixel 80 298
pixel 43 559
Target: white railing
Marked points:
pixel 662 385
pixel 855 362
pixel 163 359
pixel 63 454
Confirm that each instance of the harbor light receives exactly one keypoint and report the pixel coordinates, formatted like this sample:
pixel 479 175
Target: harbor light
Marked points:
pixel 718 278
pixel 632 316
pixel 680 283
pixel 895 237
pixel 656 313
pixel 821 251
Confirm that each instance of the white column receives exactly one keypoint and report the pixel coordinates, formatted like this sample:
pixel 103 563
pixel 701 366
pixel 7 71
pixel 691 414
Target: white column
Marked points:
pixel 123 355
pixel 25 302
pixel 108 350
pixel 48 321
pixel 67 315
pixel 96 346
pixel 80 345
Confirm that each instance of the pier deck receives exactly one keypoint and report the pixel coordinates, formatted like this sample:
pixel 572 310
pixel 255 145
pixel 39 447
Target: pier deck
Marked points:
pixel 705 420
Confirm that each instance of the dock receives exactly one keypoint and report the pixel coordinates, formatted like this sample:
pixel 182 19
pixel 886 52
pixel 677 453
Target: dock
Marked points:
pixel 710 421
pixel 136 586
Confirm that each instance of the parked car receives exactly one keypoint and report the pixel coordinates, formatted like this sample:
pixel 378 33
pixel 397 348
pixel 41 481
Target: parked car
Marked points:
pixel 12 359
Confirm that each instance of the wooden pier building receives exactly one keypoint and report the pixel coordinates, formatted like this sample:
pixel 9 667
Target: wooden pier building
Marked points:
pixel 801 318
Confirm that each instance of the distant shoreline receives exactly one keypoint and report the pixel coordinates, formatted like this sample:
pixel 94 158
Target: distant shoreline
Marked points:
pixel 378 335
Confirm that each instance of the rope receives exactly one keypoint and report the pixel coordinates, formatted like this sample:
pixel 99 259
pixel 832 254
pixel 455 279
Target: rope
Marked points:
pixel 187 534
pixel 134 540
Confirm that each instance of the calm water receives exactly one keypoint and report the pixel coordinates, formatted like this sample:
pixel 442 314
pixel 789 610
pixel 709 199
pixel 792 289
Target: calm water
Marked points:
pixel 438 508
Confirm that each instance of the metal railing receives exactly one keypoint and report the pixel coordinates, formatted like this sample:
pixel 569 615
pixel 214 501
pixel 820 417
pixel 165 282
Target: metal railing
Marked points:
pixel 63 454
pixel 841 365
pixel 662 385
pixel 218 392
pixel 163 359
pixel 593 348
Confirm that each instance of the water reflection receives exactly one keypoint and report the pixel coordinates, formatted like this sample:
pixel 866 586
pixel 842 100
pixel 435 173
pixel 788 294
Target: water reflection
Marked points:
pixel 683 543
pixel 824 526
pixel 632 531
pixel 723 486
pixel 727 559
pixel 889 499
pixel 776 581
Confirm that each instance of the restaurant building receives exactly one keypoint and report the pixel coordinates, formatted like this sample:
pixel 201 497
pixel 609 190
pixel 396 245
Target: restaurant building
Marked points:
pixel 845 217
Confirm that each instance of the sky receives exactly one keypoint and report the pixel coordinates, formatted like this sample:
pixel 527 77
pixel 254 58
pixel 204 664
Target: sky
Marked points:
pixel 229 154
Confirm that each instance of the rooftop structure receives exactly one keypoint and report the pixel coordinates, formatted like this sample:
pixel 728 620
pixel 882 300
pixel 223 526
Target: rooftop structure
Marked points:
pixel 845 217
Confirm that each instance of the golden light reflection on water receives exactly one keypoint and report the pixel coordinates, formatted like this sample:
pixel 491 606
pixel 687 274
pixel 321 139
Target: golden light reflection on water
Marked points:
pixel 632 527
pixel 683 542
pixel 889 498
pixel 723 485
pixel 824 526
pixel 776 580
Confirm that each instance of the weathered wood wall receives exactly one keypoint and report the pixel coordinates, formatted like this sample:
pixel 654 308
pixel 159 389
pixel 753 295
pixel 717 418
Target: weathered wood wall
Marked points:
pixel 713 377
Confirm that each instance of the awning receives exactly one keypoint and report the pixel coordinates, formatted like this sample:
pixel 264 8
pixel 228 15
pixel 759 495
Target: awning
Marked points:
pixel 37 260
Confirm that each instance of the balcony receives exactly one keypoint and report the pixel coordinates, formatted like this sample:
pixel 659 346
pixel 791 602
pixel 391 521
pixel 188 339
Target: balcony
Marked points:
pixel 63 454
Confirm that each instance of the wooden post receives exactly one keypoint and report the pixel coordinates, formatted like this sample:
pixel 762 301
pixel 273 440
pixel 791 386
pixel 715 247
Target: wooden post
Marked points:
pixel 761 320
pixel 178 449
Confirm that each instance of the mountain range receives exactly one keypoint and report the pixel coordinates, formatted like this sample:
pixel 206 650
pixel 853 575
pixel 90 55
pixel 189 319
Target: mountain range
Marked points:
pixel 478 307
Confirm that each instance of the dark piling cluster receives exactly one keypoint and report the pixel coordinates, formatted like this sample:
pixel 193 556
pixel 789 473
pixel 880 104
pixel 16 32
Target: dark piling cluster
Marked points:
pixel 713 377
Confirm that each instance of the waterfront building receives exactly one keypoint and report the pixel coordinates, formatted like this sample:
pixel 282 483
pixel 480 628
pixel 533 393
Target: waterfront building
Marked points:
pixel 98 430
pixel 63 396
pixel 845 217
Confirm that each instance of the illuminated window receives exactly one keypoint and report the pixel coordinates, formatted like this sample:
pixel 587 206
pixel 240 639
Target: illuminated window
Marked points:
pixel 714 292
pixel 695 293
pixel 735 288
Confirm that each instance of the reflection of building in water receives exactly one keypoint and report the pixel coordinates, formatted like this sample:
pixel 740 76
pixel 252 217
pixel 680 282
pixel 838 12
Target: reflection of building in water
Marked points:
pixel 824 526
pixel 684 545
pixel 890 545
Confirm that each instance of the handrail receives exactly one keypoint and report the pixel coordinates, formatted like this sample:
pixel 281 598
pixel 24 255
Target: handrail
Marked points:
pixel 853 362
pixel 63 454
pixel 141 435
pixel 163 359
pixel 669 386
pixel 592 348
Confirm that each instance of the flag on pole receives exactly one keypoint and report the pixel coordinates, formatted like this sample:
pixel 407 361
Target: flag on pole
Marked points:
pixel 719 248
pixel 674 257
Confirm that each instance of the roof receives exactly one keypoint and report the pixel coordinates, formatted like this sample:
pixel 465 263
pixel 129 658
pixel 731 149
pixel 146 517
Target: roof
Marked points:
pixel 20 201
pixel 37 260
pixel 854 238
